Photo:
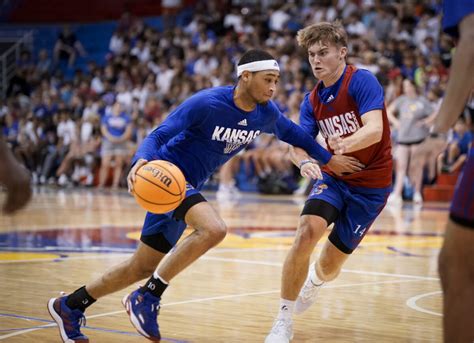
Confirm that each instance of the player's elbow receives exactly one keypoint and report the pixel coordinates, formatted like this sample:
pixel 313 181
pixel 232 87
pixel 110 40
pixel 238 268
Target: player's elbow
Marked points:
pixel 378 135
pixel 376 132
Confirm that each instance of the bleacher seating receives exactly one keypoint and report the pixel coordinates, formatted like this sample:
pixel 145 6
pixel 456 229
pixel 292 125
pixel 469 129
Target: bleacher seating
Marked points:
pixel 443 190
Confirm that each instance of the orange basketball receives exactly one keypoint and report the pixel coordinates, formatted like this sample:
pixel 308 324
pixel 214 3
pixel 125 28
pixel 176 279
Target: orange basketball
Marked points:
pixel 159 187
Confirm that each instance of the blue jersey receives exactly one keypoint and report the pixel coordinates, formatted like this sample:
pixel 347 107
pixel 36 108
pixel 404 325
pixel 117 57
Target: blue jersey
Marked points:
pixel 363 88
pixel 116 125
pixel 454 11
pixel 208 129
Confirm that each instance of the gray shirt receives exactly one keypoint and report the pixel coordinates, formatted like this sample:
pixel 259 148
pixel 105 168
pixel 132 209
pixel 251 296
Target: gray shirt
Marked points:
pixel 411 112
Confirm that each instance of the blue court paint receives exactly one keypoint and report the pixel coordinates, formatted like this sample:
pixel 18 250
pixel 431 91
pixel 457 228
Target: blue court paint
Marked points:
pixel 405 253
pixel 163 339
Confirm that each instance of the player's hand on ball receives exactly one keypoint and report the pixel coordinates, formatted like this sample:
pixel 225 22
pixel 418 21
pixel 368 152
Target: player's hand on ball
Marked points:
pixel 132 174
pixel 311 170
pixel 336 143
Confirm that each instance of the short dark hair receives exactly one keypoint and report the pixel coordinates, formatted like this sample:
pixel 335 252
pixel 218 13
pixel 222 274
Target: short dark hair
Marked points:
pixel 254 56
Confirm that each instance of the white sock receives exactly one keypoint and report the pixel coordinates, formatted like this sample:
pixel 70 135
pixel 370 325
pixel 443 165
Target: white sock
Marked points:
pixel 286 310
pixel 314 276
pixel 156 276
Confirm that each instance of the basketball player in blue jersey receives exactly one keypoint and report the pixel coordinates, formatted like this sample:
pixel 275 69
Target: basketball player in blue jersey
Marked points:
pixel 456 259
pixel 347 108
pixel 202 133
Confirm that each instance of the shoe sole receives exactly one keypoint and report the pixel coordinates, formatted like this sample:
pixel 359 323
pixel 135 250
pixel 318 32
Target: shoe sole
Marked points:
pixel 134 320
pixel 269 338
pixel 59 322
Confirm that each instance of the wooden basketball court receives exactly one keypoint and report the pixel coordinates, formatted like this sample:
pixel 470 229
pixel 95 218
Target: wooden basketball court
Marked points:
pixel 389 290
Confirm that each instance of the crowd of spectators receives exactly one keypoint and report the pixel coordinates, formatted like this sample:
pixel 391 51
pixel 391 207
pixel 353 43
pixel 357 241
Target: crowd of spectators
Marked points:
pixel 66 129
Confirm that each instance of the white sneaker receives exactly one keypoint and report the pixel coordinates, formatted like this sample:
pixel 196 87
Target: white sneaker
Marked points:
pixel 63 180
pixel 308 293
pixel 395 200
pixel 89 180
pixel 228 193
pixel 281 332
pixel 417 198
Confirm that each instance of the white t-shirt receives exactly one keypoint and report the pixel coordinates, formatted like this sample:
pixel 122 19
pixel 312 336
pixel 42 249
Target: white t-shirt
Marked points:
pixel 67 131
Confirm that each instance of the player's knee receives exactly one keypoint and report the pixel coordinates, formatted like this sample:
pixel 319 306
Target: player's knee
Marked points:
pixel 216 232
pixel 305 239
pixel 308 234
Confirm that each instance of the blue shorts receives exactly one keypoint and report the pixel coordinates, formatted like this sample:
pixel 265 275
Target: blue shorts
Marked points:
pixel 162 231
pixel 462 206
pixel 358 207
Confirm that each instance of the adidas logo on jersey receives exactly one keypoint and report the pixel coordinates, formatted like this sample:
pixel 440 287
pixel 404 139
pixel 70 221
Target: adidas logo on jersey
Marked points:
pixel 331 97
pixel 243 122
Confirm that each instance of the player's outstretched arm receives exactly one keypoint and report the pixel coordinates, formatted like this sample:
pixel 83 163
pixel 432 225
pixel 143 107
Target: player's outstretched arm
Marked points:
pixel 339 164
pixel 367 135
pixel 292 134
pixel 309 167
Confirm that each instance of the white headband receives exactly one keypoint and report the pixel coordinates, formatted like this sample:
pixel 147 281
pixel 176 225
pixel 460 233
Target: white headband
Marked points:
pixel 258 66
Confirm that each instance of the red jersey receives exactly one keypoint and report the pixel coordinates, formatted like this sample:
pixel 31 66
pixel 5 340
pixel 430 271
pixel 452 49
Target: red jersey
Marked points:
pixel 341 116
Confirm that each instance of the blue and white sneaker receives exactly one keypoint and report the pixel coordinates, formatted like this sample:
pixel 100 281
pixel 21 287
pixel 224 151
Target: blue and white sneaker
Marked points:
pixel 143 311
pixel 69 321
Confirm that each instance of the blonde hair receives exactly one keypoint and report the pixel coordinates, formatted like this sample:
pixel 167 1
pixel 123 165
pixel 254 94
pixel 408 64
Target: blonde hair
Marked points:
pixel 324 32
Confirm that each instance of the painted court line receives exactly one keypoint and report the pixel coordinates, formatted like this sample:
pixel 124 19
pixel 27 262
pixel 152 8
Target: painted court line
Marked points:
pixel 412 303
pixel 223 297
pixel 232 260
pixel 278 264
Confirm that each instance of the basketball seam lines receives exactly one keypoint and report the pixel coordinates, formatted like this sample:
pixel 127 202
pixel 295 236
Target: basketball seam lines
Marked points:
pixel 157 185
pixel 155 203
pixel 171 174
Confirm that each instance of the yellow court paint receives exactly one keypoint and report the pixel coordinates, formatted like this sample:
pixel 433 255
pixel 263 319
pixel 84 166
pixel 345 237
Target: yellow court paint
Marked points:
pixel 25 256
pixel 271 238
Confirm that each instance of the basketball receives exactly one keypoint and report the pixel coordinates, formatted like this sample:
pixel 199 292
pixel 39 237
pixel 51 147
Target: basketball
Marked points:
pixel 159 186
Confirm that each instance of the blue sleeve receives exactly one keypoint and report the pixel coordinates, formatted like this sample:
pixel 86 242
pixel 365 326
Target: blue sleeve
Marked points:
pixel 307 121
pixel 454 12
pixel 292 134
pixel 366 91
pixel 190 113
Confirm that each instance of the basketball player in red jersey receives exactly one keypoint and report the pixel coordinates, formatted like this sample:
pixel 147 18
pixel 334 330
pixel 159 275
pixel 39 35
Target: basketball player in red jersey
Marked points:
pixel 347 108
